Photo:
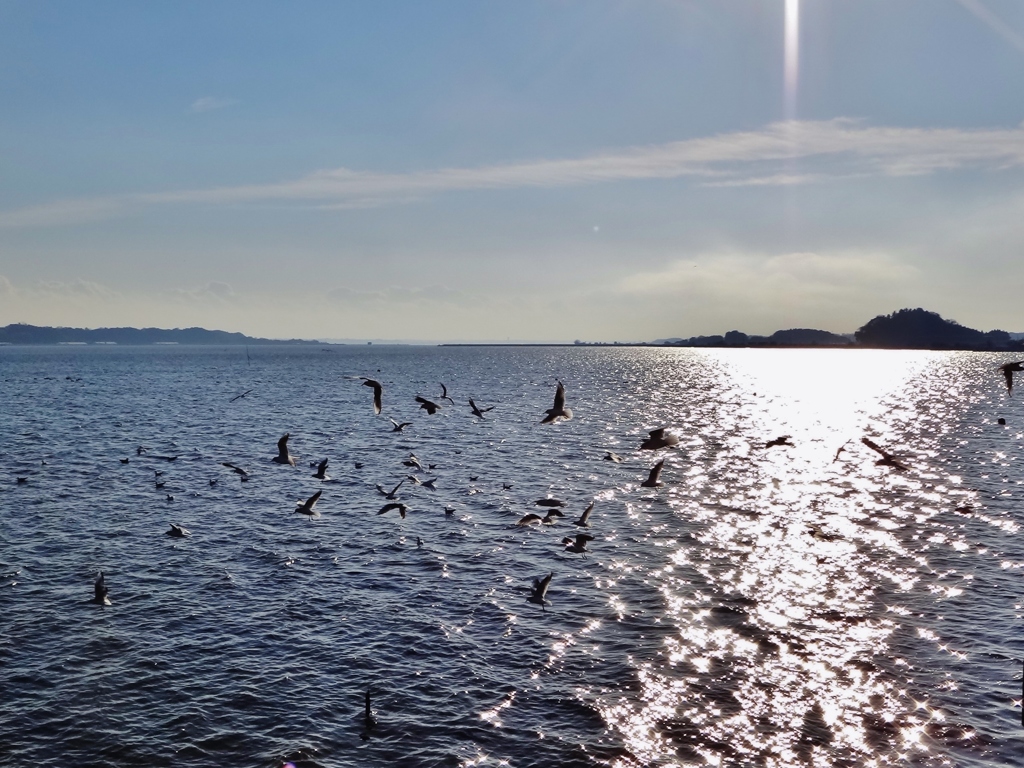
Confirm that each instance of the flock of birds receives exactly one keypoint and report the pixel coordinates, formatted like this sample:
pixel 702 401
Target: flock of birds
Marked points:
pixel 657 439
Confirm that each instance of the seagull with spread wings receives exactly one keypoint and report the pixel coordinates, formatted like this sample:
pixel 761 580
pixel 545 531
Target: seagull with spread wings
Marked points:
pixel 378 393
pixel 558 410
pixel 283 457
pixel 307 507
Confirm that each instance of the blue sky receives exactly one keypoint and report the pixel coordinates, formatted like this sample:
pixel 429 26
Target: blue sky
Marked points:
pixel 532 170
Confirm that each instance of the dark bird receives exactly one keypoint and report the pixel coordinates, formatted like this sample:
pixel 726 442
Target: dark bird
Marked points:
pixel 178 532
pixel 378 393
pixel 1000 421
pixel 887 460
pixel 283 457
pixel 321 471
pixel 100 591
pixel 478 411
pixel 552 516
pixel 402 509
pixel 429 484
pixel 558 410
pixel 584 521
pixel 529 518
pixel 1008 371
pixel 124 461
pixel 237 470
pixel 239 397
pixel 141 450
pixel 549 503
pixel 393 493
pixel 21 480
pixel 166 458
pixel 659 438
pixel 369 719
pixel 538 595
pixel 444 394
pixel 160 484
pixel 430 407
pixel 578 545
pixel 357 464
pixel 654 478
pixel 504 486
pixel 399 427
pixel 609 456
pixel 841 449
pixel 784 440
pixel 169 497
pixel 306 507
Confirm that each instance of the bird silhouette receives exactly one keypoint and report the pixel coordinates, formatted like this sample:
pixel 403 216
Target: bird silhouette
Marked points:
pixel 1008 370
pixel 402 509
pixel 430 407
pixel 283 457
pixel 887 460
pixel 477 411
pixel 538 595
pixel 659 438
pixel 307 507
pixel 584 521
pixel 558 410
pixel 654 478
pixel 378 393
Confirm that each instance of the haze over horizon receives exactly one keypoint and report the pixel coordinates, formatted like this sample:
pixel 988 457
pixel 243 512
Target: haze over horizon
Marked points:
pixel 543 171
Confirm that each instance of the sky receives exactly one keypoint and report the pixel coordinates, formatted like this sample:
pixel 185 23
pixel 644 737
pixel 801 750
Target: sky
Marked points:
pixel 528 171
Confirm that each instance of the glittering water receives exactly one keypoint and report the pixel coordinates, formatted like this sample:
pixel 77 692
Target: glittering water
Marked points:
pixel 764 607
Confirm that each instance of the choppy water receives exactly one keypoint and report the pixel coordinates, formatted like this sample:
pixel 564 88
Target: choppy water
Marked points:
pixel 764 607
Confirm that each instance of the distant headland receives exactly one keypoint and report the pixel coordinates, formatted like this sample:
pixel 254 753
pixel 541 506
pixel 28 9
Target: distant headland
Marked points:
pixel 904 329
pixel 19 333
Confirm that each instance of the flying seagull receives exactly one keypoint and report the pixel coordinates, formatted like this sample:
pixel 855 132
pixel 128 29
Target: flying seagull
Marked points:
pixel 237 470
pixel 610 456
pixel 178 532
pixel 584 521
pixel 579 544
pixel 538 595
pixel 558 411
pixel 412 461
pixel 393 493
pixel 659 438
pixel 239 397
pixel 306 507
pixel 378 391
pixel 783 440
pixel 841 449
pixel 654 478
pixel 399 427
pixel 430 407
pixel 444 394
pixel 283 457
pixel 1008 370
pixel 402 509
pixel 477 411
pixel 887 460
pixel 100 591
pixel 321 471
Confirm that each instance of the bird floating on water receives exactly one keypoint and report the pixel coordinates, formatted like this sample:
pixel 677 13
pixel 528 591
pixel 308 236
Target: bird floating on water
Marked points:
pixel 477 410
pixel 178 532
pixel 558 410
pixel 283 457
pixel 654 478
pixel 307 507
pixel 378 393
pixel 538 595
pixel 659 438
pixel 430 407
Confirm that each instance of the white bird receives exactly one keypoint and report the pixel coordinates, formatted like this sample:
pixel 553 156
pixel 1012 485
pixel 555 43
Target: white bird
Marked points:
pixel 558 411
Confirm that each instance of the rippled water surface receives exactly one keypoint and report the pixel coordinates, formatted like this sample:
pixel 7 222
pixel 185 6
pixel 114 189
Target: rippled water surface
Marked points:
pixel 763 607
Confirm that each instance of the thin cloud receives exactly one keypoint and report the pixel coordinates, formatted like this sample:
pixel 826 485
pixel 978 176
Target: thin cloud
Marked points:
pixel 997 25
pixel 824 149
pixel 210 103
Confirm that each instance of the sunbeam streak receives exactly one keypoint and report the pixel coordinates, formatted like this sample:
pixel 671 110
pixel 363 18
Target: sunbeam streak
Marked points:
pixel 792 57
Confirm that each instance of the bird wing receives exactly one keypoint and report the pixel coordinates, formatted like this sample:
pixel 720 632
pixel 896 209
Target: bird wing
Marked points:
pixel 559 398
pixel 528 518
pixel 312 500
pixel 657 433
pixel 1008 375
pixel 395 489
pixel 282 445
pixel 586 515
pixel 378 391
pixel 444 390
pixel 322 466
pixel 583 538
pixel 655 472
pixel 876 447
pixel 540 586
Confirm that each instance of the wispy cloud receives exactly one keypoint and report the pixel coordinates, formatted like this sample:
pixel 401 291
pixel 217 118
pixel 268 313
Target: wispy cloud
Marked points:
pixel 210 103
pixel 824 149
pixel 997 25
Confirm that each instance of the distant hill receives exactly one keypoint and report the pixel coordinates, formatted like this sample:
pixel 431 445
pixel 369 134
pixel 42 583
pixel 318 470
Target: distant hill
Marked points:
pixel 921 329
pixel 20 333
